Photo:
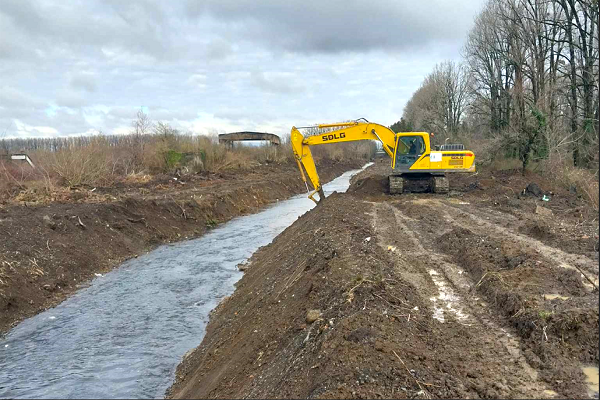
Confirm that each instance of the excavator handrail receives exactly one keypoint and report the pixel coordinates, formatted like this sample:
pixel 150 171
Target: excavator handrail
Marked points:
pixel 349 123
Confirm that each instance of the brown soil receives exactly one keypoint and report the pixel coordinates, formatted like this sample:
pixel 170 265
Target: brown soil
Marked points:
pixel 49 250
pixel 420 295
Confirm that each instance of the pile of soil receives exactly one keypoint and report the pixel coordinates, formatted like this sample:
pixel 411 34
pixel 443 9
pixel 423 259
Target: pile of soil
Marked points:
pixel 50 250
pixel 539 229
pixel 374 185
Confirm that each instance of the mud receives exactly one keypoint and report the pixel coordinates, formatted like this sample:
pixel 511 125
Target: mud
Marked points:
pixel 420 295
pixel 49 250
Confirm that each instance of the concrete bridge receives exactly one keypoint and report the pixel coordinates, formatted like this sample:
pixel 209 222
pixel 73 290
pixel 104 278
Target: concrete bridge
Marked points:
pixel 229 138
pixel 18 157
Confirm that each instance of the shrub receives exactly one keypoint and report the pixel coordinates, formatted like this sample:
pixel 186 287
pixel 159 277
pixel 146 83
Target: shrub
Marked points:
pixel 579 180
pixel 172 158
pixel 90 165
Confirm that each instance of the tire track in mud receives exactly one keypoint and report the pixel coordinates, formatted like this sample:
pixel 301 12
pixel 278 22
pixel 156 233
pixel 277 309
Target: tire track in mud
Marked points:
pixel 548 269
pixel 446 286
pixel 586 266
pixel 444 299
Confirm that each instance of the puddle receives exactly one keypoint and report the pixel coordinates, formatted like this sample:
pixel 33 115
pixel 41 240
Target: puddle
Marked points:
pixel 555 296
pixel 585 280
pixel 457 201
pixel 591 379
pixel 446 300
pixel 422 201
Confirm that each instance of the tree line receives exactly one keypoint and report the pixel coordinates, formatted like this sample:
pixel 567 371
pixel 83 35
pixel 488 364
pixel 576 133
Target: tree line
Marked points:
pixel 144 131
pixel 528 79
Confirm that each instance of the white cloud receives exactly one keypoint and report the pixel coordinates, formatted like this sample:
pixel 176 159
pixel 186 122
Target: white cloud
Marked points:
pixel 217 65
pixel 197 81
pixel 24 130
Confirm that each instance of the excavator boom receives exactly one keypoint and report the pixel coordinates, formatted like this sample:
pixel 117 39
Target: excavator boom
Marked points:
pixel 347 132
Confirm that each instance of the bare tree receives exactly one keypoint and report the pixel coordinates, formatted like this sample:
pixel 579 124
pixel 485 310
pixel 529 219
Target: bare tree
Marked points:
pixel 534 69
pixel 491 73
pixel 451 82
pixel 583 17
pixel 5 144
pixel 142 126
pixel 440 103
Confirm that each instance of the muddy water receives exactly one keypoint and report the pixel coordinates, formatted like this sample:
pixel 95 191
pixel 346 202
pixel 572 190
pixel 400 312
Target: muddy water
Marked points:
pixel 123 336
pixel 591 379
pixel 446 300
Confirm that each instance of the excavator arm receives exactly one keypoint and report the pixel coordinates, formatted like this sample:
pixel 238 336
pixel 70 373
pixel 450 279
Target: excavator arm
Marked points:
pixel 347 132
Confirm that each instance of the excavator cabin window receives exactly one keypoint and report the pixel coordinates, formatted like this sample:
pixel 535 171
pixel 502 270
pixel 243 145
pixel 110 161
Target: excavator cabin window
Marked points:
pixel 412 145
pixel 410 148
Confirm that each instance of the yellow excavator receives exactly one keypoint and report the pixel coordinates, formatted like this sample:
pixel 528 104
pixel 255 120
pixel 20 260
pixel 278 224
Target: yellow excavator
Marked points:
pixel 410 152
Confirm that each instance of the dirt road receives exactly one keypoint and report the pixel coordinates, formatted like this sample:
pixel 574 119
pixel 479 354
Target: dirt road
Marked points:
pixel 474 294
pixel 49 250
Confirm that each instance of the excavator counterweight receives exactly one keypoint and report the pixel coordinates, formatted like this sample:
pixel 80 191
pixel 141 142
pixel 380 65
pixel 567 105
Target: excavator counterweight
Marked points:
pixel 410 152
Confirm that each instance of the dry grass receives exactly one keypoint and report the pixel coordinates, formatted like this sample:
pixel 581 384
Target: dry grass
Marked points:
pixel 134 159
pixel 580 180
pixel 503 164
pixel 137 178
pixel 558 168
pixel 84 166
pixel 561 174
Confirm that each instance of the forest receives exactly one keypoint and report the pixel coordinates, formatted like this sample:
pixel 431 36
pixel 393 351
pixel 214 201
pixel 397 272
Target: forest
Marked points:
pixel 525 88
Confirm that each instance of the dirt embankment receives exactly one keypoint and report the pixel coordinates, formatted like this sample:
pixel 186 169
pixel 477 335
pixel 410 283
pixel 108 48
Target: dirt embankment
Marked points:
pixel 418 295
pixel 49 251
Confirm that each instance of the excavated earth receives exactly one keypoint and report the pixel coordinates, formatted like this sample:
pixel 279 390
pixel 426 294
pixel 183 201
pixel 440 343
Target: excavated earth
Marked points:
pixel 51 248
pixel 486 292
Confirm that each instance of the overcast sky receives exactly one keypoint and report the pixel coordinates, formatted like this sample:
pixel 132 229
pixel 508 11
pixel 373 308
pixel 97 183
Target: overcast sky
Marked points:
pixel 79 66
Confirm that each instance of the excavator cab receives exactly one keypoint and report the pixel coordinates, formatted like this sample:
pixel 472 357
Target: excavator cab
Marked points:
pixel 410 148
